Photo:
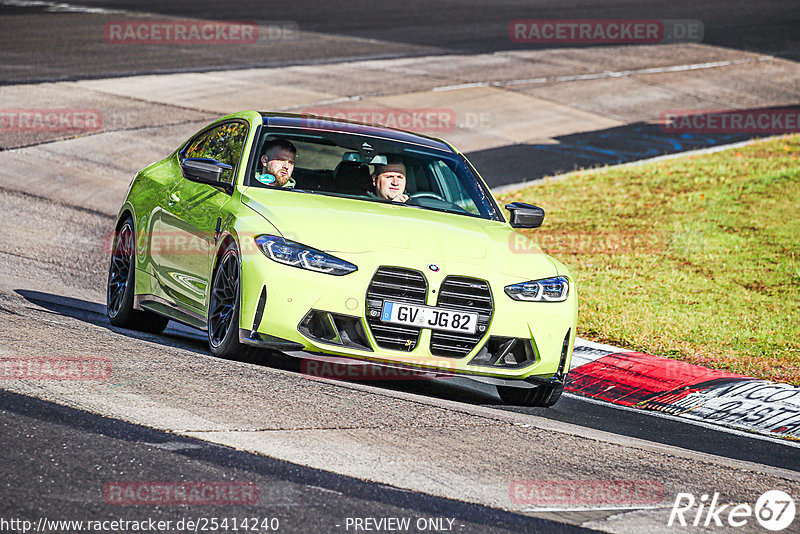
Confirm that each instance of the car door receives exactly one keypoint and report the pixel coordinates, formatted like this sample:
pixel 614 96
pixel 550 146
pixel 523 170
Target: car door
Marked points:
pixel 189 221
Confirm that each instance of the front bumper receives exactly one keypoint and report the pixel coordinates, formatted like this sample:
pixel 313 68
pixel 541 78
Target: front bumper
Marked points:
pixel 279 303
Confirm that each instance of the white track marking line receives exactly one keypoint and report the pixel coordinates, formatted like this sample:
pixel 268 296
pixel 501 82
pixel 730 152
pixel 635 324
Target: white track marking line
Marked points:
pixel 522 81
pixel 173 446
pixel 596 509
pixel 605 75
pixel 326 102
pixel 459 86
pixel 60 7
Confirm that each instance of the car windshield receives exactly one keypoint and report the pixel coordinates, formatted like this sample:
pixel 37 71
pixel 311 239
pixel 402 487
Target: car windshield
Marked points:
pixel 367 168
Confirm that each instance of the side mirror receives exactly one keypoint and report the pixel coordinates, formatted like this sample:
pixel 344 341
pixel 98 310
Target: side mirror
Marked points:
pixel 525 215
pixel 206 171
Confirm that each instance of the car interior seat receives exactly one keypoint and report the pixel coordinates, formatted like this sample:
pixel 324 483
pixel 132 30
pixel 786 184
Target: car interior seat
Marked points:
pixel 352 178
pixel 411 178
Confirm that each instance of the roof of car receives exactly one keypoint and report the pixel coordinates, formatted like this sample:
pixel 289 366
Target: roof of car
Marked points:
pixel 316 122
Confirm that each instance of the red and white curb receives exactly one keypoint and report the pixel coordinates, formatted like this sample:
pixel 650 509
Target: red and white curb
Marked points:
pixel 655 383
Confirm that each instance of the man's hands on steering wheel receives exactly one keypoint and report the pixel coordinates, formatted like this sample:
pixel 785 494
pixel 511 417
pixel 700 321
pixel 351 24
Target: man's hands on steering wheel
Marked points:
pixel 426 194
pixel 435 201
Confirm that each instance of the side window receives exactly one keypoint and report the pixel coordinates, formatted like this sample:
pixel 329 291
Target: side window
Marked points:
pixel 451 187
pixel 223 143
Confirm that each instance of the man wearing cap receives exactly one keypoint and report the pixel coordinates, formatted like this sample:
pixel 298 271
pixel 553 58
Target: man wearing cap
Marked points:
pixel 390 181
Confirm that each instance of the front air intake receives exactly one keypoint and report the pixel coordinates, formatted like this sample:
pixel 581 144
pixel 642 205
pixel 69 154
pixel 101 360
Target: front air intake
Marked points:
pixel 509 352
pixel 398 285
pixel 468 295
pixel 334 328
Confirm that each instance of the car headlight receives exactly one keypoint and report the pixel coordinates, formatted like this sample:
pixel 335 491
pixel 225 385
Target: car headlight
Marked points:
pixel 545 290
pixel 297 255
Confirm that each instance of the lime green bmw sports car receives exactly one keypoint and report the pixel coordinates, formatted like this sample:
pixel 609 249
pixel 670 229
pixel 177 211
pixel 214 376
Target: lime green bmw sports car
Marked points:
pixel 331 239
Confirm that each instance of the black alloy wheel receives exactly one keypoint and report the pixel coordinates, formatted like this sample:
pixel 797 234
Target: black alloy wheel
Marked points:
pixel 121 285
pixel 223 305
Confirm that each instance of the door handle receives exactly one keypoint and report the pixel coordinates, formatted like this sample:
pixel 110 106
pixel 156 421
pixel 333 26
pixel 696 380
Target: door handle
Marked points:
pixel 173 198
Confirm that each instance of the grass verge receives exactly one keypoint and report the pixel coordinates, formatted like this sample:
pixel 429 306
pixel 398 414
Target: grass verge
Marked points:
pixel 696 258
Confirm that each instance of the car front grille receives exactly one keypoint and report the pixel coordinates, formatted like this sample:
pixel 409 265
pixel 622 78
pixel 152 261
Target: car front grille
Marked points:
pixel 455 293
pixel 463 294
pixel 399 285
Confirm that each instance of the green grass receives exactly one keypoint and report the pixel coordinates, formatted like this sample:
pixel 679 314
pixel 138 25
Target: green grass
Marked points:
pixel 696 258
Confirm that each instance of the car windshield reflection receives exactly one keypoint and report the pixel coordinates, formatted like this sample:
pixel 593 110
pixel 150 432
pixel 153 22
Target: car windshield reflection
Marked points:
pixel 374 170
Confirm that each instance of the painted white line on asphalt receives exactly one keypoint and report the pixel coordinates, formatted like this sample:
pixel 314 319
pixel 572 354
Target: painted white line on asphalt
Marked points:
pixel 522 81
pixel 326 490
pixel 596 509
pixel 173 446
pixel 325 102
pixel 459 86
pixel 60 7
pixel 605 74
pixel 721 427
pixel 660 70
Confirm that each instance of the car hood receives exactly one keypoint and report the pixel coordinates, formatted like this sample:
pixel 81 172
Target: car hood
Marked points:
pixel 398 232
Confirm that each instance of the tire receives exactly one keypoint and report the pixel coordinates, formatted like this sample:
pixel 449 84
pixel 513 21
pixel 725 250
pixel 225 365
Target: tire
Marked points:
pixel 121 284
pixel 542 396
pixel 223 305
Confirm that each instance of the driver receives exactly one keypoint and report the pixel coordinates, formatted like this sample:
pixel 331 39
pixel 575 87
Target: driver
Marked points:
pixel 277 160
pixel 390 180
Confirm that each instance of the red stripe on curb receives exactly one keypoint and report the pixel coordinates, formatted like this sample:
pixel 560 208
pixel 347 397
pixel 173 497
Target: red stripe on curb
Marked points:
pixel 632 378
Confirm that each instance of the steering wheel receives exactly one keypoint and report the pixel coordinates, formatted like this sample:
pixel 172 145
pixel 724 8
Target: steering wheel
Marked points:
pixel 451 206
pixel 427 194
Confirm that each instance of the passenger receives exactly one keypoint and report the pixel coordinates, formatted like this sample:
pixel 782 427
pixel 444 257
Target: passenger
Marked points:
pixel 390 181
pixel 277 161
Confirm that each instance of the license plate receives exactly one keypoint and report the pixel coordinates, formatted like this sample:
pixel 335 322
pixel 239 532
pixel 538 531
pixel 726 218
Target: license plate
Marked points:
pixel 429 317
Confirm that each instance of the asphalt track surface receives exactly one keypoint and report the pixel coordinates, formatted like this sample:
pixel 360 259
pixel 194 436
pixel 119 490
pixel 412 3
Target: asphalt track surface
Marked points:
pixel 571 408
pixel 64 46
pixel 58 457
pixel 300 498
